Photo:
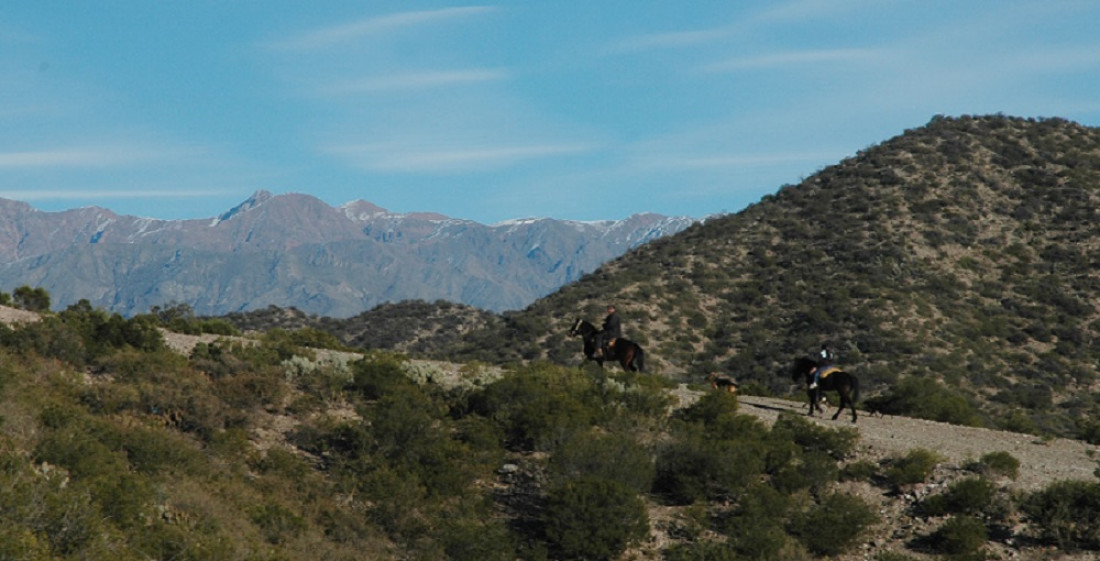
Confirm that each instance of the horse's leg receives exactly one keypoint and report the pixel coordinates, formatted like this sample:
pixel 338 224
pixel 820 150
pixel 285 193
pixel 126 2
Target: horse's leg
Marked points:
pixel 811 396
pixel 852 406
pixel 628 361
pixel 846 399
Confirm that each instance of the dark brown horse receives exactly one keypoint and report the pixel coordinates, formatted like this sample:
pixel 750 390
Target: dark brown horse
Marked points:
pixel 836 380
pixel 628 353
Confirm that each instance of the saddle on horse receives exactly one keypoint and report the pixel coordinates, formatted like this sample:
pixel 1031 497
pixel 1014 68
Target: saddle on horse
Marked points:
pixel 826 371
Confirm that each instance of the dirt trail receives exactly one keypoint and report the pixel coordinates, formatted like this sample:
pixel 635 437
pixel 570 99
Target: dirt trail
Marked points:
pixel 1041 460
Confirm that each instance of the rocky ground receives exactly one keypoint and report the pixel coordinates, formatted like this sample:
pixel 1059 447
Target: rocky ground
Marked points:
pixel 1042 461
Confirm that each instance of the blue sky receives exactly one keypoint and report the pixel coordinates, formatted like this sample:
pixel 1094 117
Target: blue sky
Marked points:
pixel 583 110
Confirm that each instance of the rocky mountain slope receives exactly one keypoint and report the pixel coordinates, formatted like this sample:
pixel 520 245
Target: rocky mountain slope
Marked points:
pixel 296 251
pixel 962 254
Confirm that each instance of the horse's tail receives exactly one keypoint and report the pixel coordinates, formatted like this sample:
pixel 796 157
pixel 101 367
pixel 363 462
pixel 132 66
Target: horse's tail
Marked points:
pixel 855 389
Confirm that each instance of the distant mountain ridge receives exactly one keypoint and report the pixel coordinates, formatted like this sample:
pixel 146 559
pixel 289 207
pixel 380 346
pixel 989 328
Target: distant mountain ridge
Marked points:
pixel 294 250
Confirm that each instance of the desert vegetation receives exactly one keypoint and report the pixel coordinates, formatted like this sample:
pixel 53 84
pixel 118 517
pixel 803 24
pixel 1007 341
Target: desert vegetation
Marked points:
pixel 114 447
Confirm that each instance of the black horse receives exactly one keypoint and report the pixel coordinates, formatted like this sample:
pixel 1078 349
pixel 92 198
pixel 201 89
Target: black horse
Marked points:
pixel 628 353
pixel 837 380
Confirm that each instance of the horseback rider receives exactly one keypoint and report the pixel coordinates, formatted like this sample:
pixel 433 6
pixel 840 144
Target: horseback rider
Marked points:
pixel 612 329
pixel 825 361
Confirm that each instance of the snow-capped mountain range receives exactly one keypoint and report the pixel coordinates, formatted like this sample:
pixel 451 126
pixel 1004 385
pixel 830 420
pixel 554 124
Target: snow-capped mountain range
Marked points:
pixel 294 250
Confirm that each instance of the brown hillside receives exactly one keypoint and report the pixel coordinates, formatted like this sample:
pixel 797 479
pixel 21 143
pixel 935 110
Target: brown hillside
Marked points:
pixel 961 252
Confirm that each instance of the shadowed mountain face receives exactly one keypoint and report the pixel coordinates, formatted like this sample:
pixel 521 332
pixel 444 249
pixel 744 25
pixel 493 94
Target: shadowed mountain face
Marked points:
pixel 964 251
pixel 296 251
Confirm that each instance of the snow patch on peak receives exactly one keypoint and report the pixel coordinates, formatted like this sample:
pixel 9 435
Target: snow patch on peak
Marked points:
pixel 258 198
pixel 361 210
pixel 517 222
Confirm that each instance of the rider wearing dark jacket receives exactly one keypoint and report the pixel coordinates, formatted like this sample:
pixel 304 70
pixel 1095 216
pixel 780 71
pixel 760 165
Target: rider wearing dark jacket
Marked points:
pixel 612 329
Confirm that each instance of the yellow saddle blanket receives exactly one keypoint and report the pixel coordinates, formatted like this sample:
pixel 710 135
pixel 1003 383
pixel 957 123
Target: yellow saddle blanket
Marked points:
pixel 828 370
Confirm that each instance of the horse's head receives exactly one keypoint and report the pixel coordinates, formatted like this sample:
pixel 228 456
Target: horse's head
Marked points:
pixel 801 368
pixel 575 330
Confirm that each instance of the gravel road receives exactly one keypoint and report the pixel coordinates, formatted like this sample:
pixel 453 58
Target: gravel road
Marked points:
pixel 1041 460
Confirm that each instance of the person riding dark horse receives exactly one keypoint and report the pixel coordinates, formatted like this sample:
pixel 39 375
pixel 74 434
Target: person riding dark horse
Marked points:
pixel 612 330
pixel 830 378
pixel 627 353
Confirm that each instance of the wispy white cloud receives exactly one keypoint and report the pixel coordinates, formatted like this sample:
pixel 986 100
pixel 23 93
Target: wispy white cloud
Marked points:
pixel 798 10
pixel 338 34
pixel 772 60
pixel 94 194
pixel 673 39
pixel 90 157
pixel 388 157
pixel 801 10
pixel 718 161
pixel 1060 59
pixel 416 81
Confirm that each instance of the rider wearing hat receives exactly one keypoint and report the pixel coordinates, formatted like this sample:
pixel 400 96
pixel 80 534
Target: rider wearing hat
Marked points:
pixel 612 329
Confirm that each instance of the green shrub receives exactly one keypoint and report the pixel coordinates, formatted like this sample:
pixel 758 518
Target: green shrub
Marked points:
pixel 49 337
pixel 77 450
pixel 283 462
pixel 637 396
pixel 965 496
pixel 538 408
pixel 180 318
pixel 593 518
pixel 997 464
pixel 125 499
pixel 1088 429
pixel 701 551
pixel 812 470
pixel 756 525
pixel 316 338
pixel 696 468
pixel 711 409
pixel 862 470
pixel 617 457
pixel 837 443
pixel 23 544
pixel 102 332
pixel 835 525
pixel 913 468
pixel 278 522
pixel 31 299
pixel 262 387
pixel 47 511
pixel 398 501
pixel 960 535
pixel 407 430
pixel 893 556
pixel 926 398
pixel 470 539
pixel 1067 513
pixel 372 379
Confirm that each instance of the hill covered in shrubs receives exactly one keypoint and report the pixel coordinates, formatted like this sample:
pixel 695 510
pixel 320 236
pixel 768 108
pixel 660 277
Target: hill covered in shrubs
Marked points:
pixel 114 447
pixel 957 259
